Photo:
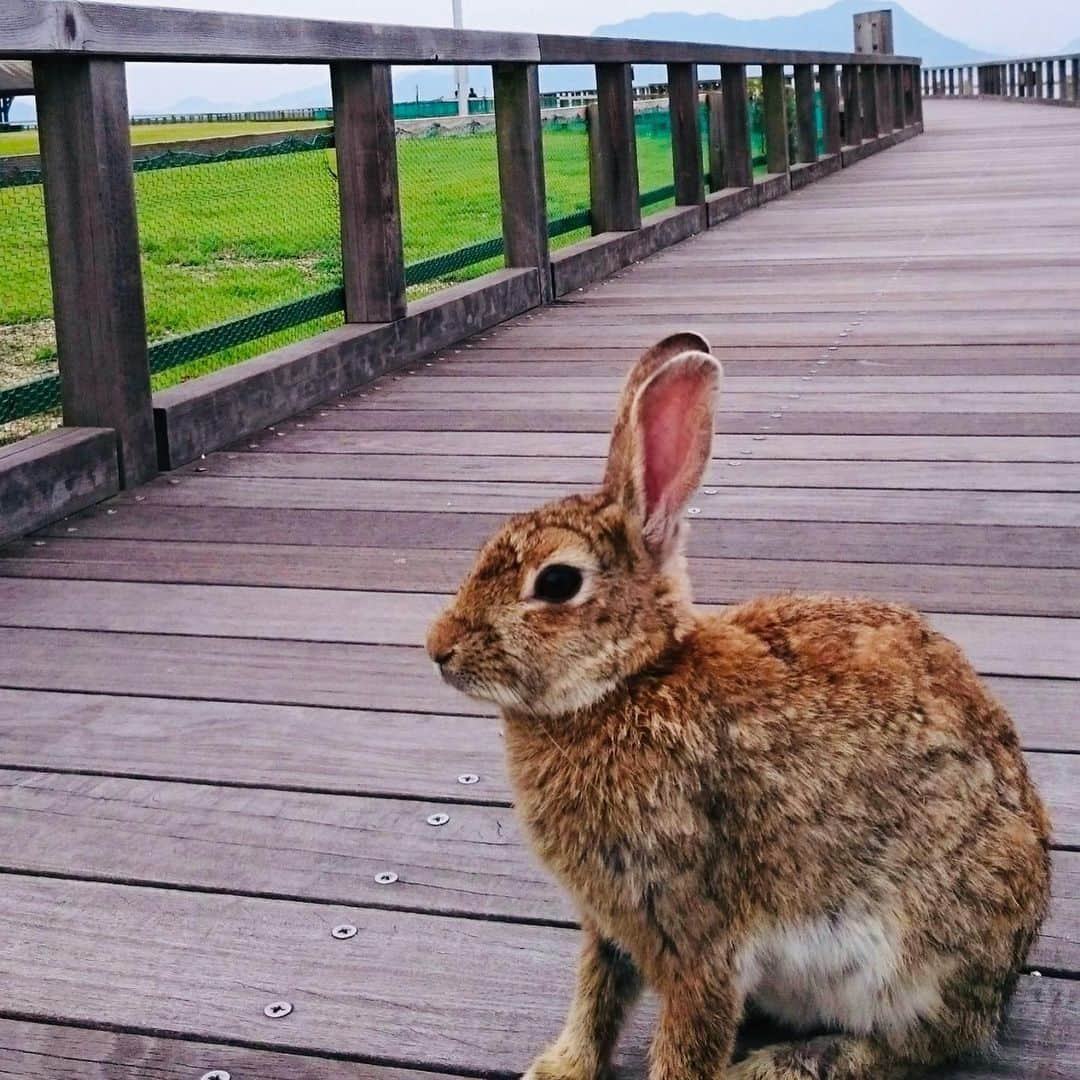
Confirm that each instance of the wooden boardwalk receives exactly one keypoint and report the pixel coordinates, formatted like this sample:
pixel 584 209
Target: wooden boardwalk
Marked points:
pixel 219 730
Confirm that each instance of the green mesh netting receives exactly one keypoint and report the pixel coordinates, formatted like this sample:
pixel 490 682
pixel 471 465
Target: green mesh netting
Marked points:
pixel 240 249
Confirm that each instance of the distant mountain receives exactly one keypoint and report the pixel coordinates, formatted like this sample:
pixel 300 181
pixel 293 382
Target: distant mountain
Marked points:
pixel 1073 46
pixel 828 29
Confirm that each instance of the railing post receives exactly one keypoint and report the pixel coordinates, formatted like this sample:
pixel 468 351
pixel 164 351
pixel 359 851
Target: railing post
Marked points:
pixel 830 103
pixel 1050 80
pixel 714 111
pixel 776 129
pixel 613 168
pixel 685 134
pixel 1039 79
pixel 1012 80
pixel 373 261
pixel 521 170
pixel 1063 79
pixel 918 102
pixel 882 83
pixel 952 82
pixel 1076 78
pixel 93 239
pixel 871 127
pixel 738 154
pixel 853 121
pixel 896 73
pixel 805 113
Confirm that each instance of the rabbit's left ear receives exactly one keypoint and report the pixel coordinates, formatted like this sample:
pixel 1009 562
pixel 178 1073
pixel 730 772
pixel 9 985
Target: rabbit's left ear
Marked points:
pixel 671 430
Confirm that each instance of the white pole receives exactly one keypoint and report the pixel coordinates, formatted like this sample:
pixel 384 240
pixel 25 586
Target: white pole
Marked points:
pixel 461 74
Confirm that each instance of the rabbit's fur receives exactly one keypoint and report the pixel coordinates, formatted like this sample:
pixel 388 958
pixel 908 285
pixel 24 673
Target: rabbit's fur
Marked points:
pixel 809 805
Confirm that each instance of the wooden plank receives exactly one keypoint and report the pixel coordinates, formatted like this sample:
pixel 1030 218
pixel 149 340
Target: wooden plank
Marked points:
pixel 521 170
pixel 973 589
pixel 871 121
pixel 295 672
pixel 204 414
pixel 94 256
pixel 859 448
pixel 329 848
pixel 751 470
pixel 46 477
pixel 484 497
pixel 43 1051
pixel 805 113
pixel 373 260
pixel 1004 645
pixel 685 135
pixel 613 169
pixel 775 108
pixel 963 545
pixel 853 124
pixel 717 158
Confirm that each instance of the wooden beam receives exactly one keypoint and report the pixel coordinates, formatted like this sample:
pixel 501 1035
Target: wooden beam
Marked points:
pixel 685 134
pixel 521 169
pixel 373 259
pixel 718 170
pixel 1076 78
pixel 853 121
pixel 805 113
pixel 896 80
pixel 871 127
pixel 94 255
pixel 828 77
pixel 776 127
pixel 883 84
pixel 613 166
pixel 737 150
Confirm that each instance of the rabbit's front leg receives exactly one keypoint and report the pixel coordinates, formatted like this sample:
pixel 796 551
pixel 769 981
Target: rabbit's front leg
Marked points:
pixel 607 985
pixel 695 1035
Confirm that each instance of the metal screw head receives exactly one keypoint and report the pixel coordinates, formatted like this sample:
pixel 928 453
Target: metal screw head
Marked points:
pixel 200 468
pixel 278 1009
pixel 438 819
pixel 776 415
pixel 693 511
pixel 110 511
pixel 39 543
pixel 468 778
pixel 759 438
pixel 711 491
pixel 385 877
pixel 344 932
pixel 216 1074
pixel 72 528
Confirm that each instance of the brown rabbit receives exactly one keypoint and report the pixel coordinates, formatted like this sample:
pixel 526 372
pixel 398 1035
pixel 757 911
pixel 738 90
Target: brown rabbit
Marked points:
pixel 807 804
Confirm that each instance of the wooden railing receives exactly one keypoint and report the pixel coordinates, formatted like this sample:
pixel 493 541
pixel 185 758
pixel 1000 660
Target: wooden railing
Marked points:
pixel 1049 80
pixel 78 52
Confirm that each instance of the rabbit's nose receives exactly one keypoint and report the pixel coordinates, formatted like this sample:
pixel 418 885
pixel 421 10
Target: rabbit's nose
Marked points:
pixel 442 638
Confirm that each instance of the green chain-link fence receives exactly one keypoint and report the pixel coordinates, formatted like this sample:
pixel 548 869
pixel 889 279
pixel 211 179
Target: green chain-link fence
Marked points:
pixel 241 252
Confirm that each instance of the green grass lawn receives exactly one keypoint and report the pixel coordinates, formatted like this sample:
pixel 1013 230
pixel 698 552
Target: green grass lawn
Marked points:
pixel 26 142
pixel 231 238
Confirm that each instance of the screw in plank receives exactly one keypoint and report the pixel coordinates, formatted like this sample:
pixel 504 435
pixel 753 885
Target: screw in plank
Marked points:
pixel 385 877
pixel 438 819
pixel 693 511
pixel 759 438
pixel 468 778
pixel 711 491
pixel 344 932
pixel 200 468
pixel 776 415
pixel 216 1074
pixel 39 543
pixel 734 464
pixel 276 1010
pixel 72 528
pixel 110 511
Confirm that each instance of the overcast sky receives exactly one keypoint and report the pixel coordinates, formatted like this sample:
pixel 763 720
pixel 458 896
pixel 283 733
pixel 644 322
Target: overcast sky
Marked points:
pixel 1008 27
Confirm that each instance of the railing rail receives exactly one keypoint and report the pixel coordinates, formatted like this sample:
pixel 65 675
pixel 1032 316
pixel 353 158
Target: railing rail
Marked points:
pixel 78 51
pixel 1049 80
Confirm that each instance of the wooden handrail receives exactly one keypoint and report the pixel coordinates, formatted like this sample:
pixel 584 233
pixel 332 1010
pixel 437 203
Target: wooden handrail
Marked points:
pixel 1049 79
pixel 30 28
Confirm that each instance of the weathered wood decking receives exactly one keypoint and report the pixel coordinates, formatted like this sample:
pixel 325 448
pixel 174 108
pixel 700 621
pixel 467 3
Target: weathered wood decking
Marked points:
pixel 217 727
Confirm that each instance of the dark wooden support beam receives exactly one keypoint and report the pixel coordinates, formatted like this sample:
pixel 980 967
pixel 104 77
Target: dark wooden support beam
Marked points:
pixel 373 259
pixel 918 99
pixel 830 103
pixel 94 255
pixel 952 81
pixel 613 167
pixel 776 127
pixel 853 109
pixel 1050 80
pixel 1076 78
pixel 714 111
pixel 871 129
pixel 521 170
pixel 883 96
pixel 1063 79
pixel 896 80
pixel 737 151
pixel 805 113
pixel 1012 81
pixel 685 134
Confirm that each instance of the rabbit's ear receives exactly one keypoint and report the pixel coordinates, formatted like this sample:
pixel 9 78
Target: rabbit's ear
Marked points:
pixel 670 430
pixel 621 455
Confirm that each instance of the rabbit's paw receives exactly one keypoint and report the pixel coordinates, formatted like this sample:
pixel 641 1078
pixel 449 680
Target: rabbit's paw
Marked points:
pixel 810 1060
pixel 556 1064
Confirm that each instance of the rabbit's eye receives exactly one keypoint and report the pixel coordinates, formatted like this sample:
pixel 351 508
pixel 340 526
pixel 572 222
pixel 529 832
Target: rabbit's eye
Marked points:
pixel 557 583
